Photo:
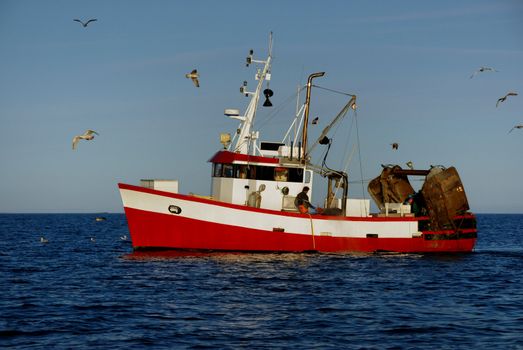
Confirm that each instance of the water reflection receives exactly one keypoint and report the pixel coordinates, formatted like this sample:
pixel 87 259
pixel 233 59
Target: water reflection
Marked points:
pixel 167 254
pixel 230 256
pixel 223 256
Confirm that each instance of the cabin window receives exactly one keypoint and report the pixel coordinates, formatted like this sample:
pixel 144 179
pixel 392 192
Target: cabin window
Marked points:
pixel 308 176
pixel 281 174
pixel 259 172
pixel 265 173
pixel 295 175
pixel 251 172
pixel 241 171
pixel 217 170
pixel 228 170
pixel 270 146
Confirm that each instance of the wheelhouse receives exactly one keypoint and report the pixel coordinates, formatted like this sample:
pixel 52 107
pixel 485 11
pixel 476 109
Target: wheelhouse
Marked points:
pixel 236 178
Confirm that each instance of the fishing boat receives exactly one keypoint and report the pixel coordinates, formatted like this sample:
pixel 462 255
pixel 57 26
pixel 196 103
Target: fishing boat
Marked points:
pixel 257 202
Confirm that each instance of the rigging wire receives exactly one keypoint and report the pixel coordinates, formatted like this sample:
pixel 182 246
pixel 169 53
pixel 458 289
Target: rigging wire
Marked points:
pixel 324 164
pixel 332 90
pixel 348 156
pixel 359 155
pixel 278 109
pixel 354 124
pixel 285 102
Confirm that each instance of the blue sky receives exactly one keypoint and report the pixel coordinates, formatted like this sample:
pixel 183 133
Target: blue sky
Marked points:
pixel 409 62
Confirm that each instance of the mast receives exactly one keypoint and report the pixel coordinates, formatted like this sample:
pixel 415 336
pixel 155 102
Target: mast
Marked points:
pixel 306 117
pixel 245 138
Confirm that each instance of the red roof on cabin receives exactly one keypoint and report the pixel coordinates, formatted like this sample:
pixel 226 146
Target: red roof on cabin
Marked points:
pixel 228 157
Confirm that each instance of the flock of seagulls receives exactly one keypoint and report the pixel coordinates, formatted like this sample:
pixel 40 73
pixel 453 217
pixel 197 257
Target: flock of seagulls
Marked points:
pixel 501 99
pixel 194 76
pixel 89 134
pixel 395 145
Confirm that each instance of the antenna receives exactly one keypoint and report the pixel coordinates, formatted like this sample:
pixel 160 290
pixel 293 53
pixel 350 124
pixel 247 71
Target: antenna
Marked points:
pixel 270 43
pixel 268 92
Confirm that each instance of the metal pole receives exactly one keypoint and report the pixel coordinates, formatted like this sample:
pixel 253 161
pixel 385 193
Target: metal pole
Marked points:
pixel 307 107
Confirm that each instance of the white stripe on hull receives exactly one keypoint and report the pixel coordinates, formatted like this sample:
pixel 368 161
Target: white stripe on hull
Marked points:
pixel 266 221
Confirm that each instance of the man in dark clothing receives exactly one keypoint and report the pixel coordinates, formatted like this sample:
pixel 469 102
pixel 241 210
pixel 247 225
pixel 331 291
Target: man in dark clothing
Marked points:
pixel 303 199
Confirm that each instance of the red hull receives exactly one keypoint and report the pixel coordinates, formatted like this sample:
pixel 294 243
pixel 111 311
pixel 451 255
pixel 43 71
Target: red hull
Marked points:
pixel 151 230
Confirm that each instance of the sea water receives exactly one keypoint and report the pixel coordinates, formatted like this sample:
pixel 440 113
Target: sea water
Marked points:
pixel 85 288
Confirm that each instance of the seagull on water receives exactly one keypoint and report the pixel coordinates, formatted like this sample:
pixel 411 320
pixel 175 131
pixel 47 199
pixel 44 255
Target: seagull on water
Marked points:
pixel 123 238
pixel 194 77
pixel 43 240
pixel 86 23
pixel 516 127
pixel 502 99
pixel 93 239
pixel 482 69
pixel 395 145
pixel 88 135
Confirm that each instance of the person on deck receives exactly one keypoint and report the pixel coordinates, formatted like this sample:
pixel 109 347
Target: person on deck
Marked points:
pixel 302 201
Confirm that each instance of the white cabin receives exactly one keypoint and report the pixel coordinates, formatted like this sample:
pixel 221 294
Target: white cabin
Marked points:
pixel 257 181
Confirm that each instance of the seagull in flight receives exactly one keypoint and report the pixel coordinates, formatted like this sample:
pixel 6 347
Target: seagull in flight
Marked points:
pixel 502 99
pixel 86 23
pixel 315 121
pixel 395 145
pixel 194 77
pixel 516 127
pixel 410 165
pixel 482 69
pixel 88 135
